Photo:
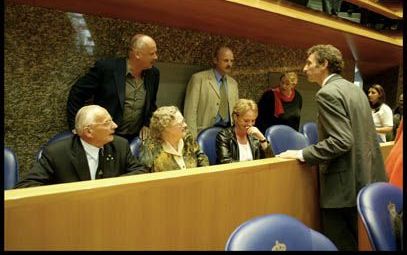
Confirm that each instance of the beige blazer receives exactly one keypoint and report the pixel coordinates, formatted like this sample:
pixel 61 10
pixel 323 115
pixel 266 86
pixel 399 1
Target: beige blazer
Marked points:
pixel 202 100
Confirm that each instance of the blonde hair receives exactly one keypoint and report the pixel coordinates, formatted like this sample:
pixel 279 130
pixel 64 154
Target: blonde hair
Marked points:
pixel 162 119
pixel 244 105
pixel 291 77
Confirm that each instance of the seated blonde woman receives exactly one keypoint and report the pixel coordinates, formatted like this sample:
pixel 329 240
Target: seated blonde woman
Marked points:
pixel 243 141
pixel 170 145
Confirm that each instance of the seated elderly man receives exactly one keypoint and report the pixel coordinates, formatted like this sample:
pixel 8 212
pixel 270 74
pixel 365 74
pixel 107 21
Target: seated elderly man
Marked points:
pixel 94 152
pixel 171 145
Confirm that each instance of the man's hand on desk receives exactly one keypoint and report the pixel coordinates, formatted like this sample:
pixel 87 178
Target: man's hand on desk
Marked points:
pixel 291 154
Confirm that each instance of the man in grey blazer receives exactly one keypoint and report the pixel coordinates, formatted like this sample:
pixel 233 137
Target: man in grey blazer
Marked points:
pixel 348 154
pixel 94 152
pixel 211 94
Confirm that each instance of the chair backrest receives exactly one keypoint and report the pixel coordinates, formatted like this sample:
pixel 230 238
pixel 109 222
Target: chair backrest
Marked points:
pixel 207 141
pixel 275 232
pixel 10 169
pixel 372 202
pixel 282 138
pixel 135 146
pixel 55 138
pixel 310 131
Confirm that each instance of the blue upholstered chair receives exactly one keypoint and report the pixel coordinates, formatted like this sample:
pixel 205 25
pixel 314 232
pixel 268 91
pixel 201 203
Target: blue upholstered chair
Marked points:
pixel 55 138
pixel 10 169
pixel 372 202
pixel 135 146
pixel 282 138
pixel 275 232
pixel 207 141
pixel 310 131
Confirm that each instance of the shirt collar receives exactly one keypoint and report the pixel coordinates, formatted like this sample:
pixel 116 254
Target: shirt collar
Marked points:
pixel 218 76
pixel 90 149
pixel 169 149
pixel 327 78
pixel 128 71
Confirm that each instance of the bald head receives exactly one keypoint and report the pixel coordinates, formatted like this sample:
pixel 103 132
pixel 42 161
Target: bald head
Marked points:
pixel 223 60
pixel 140 41
pixel 86 116
pixel 142 53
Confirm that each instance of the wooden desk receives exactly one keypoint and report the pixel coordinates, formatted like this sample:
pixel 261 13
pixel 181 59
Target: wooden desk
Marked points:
pixel 195 209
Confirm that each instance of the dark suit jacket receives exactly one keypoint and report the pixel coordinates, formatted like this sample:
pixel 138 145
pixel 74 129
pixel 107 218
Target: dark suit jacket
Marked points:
pixel 65 161
pixel 290 117
pixel 348 153
pixel 105 83
pixel 227 148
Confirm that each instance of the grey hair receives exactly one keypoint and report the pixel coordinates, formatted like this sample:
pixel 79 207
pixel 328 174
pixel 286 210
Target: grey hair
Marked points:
pixel 162 119
pixel 86 116
pixel 329 53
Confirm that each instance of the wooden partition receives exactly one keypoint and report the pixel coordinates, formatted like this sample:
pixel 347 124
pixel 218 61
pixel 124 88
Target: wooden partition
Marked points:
pixel 194 209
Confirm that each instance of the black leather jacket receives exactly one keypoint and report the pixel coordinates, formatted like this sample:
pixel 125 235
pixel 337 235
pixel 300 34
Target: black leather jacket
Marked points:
pixel 227 148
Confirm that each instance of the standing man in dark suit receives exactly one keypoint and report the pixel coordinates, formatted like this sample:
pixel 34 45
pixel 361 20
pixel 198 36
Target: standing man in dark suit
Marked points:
pixel 94 152
pixel 348 154
pixel 126 87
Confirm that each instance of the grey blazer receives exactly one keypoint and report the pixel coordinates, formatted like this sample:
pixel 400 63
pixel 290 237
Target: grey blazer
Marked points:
pixel 348 154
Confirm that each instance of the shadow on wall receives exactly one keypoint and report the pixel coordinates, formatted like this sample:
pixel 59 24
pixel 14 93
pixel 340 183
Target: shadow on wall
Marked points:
pixel 174 79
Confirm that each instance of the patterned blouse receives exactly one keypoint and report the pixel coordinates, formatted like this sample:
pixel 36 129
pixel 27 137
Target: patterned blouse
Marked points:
pixel 157 159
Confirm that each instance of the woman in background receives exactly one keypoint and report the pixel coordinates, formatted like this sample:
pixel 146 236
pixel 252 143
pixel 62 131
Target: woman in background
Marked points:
pixel 381 112
pixel 170 145
pixel 243 141
pixel 282 105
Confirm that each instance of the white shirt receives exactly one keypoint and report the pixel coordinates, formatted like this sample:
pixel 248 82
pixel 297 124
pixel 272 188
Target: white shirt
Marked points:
pixel 92 155
pixel 176 154
pixel 245 152
pixel 383 118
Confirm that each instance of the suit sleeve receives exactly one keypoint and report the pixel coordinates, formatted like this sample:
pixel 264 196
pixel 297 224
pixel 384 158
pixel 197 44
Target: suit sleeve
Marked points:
pixel 41 173
pixel 83 90
pixel 191 103
pixel 335 120
pixel 133 165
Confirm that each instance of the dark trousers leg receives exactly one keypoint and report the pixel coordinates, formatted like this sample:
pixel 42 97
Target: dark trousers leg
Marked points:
pixel 340 226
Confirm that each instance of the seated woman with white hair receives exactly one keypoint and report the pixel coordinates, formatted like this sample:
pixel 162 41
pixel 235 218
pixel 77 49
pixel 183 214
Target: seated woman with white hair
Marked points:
pixel 170 145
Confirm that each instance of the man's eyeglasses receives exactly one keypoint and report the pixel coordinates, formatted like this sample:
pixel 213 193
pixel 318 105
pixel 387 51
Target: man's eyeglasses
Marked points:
pixel 107 123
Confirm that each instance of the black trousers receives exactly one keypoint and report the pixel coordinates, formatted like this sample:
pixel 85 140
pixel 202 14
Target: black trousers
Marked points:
pixel 340 226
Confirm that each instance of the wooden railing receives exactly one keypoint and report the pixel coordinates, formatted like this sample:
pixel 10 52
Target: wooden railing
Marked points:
pixel 193 209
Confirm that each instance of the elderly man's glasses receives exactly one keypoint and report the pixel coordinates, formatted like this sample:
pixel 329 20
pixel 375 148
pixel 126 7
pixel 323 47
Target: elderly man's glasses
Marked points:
pixel 107 123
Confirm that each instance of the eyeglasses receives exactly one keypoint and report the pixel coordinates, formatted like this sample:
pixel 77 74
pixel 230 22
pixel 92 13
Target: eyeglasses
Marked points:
pixel 107 123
